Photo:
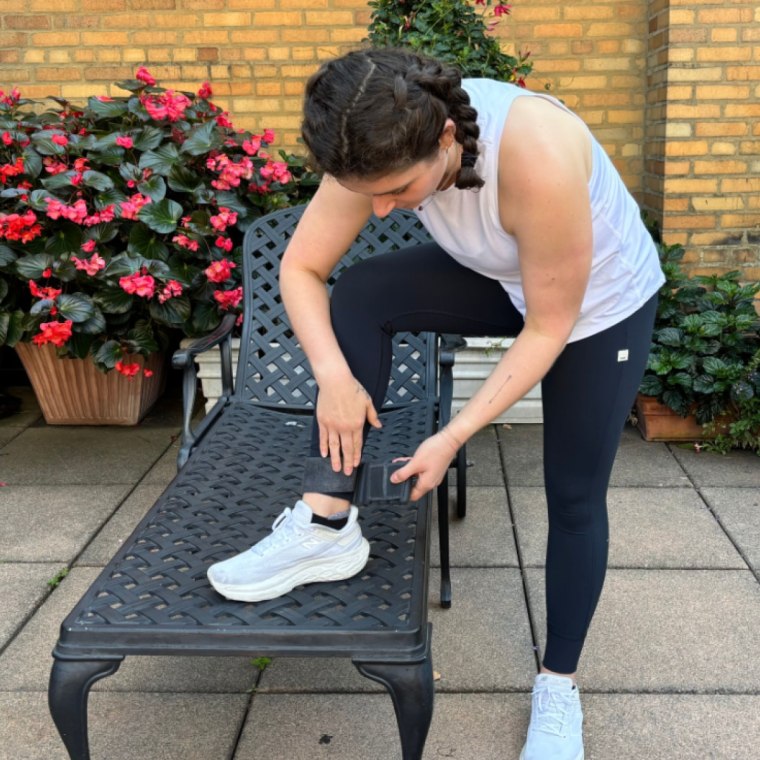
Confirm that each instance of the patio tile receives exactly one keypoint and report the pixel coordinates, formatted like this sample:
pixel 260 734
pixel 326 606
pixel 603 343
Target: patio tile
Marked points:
pixel 29 412
pixel 649 527
pixel 484 537
pixel 7 434
pixel 82 455
pixel 121 524
pixel 668 630
pixel 24 586
pixel 25 664
pixel 124 727
pixel 346 727
pixel 495 653
pixel 683 726
pixel 483 455
pixel 164 470
pixel 737 468
pixel 637 463
pixel 739 511
pixel 52 523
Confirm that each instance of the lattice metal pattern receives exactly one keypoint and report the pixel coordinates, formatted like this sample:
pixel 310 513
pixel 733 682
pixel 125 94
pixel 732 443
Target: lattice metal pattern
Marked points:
pixel 242 475
pixel 274 369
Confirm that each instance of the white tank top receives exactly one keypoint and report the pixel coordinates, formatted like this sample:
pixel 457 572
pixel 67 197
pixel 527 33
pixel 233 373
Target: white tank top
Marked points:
pixel 625 267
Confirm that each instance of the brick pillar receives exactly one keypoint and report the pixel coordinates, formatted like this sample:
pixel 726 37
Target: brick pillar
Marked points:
pixel 703 136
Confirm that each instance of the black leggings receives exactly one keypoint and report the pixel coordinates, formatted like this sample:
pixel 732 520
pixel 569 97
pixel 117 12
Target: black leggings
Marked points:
pixel 587 395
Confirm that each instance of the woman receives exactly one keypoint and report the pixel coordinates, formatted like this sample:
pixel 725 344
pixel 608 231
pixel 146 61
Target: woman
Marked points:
pixel 535 237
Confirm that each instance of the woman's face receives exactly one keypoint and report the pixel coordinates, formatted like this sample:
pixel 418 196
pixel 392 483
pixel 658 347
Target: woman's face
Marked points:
pixel 407 188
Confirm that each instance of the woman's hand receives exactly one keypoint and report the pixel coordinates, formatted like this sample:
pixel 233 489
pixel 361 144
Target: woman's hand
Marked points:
pixel 430 463
pixel 342 408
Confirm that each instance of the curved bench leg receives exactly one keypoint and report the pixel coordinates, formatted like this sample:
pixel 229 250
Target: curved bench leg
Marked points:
pixel 443 543
pixel 68 690
pixel 411 687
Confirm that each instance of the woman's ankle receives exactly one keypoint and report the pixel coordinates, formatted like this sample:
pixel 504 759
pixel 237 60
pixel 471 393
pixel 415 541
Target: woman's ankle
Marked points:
pixel 324 505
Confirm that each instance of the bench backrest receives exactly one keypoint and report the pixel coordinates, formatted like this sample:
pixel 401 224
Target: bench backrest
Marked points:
pixel 272 368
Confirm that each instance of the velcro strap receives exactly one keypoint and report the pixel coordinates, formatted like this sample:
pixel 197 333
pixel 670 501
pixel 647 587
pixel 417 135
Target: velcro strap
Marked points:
pixel 369 483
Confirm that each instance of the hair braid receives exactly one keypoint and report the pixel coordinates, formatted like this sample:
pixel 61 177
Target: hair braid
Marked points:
pixel 376 111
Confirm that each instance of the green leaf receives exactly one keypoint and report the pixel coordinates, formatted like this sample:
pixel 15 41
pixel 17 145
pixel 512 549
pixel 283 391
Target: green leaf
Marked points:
pixel 205 318
pixel 143 241
pixel 161 160
pixel 37 199
pixel 650 385
pixel 173 312
pixel 32 267
pixel 184 180
pixel 97 180
pixel 5 320
pixel 704 384
pixel 80 343
pixel 108 354
pixel 102 233
pixel 4 289
pixel 109 198
pixel 233 202
pixel 141 339
pixel 7 255
pixel 114 301
pixel 202 139
pixel 154 187
pixel 76 307
pixel 57 181
pixel 133 85
pixel 713 365
pixel 676 401
pixel 670 336
pixel 162 216
pixel 42 307
pixel 44 144
pixel 95 325
pixel 107 108
pixel 15 328
pixel 64 241
pixel 122 265
pixel 32 163
pixel 148 138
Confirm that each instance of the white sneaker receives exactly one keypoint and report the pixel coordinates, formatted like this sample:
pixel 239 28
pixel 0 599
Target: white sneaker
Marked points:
pixel 556 721
pixel 296 551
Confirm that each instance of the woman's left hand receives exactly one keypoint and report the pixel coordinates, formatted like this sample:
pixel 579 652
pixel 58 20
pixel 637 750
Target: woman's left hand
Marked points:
pixel 430 464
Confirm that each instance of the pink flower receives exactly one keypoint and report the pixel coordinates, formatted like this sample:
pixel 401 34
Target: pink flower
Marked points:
pixel 223 219
pixel 166 105
pixel 144 76
pixel 502 10
pixel 185 242
pixel 268 136
pixel 219 271
pixel 56 333
pixel 229 299
pixel 224 243
pixel 128 370
pixel 130 208
pixel 147 373
pixel 230 173
pixel 76 213
pixel 251 147
pixel 171 289
pixel 138 284
pixel 21 227
pixel 104 98
pixel 11 170
pixel 205 91
pixel 54 167
pixel 60 139
pixel 92 265
pixel 124 141
pixel 223 121
pixel 89 246
pixel 44 293
pixel 7 138
pixel 277 171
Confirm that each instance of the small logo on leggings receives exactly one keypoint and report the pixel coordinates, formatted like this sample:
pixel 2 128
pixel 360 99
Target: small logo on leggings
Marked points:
pixel 623 355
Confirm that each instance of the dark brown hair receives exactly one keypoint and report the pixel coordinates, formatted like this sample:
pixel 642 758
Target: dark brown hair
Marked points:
pixel 376 111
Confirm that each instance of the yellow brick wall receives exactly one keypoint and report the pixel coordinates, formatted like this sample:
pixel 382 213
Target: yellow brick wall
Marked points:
pixel 670 87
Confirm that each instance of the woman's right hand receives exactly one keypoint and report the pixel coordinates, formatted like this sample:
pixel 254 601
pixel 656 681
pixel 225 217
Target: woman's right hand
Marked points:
pixel 342 408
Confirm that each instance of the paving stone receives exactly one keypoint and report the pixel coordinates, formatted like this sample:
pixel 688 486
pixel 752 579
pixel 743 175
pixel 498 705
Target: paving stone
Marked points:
pixel 346 727
pixel 52 523
pixel 522 453
pixel 649 527
pixel 26 663
pixel 24 586
pixel 7 434
pixel 739 511
pixel 484 537
pixel 82 455
pixel 668 630
pixel 29 412
pixel 496 652
pixel 165 469
pixel 737 468
pixel 120 525
pixel 682 726
pixel 482 454
pixel 127 726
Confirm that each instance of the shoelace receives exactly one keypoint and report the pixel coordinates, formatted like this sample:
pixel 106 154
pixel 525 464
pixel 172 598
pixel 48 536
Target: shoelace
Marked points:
pixel 551 711
pixel 283 529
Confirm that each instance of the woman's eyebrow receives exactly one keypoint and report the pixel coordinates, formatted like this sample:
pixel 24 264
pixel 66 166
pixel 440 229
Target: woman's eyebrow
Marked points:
pixel 396 190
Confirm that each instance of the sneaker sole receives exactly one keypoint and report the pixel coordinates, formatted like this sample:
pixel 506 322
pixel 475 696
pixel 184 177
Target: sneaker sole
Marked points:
pixel 312 571
pixel 578 757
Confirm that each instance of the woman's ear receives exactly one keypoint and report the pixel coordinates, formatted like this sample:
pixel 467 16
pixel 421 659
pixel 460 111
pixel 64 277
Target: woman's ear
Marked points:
pixel 448 134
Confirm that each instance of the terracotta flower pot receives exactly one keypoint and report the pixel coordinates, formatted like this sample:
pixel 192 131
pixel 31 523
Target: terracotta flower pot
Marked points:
pixel 657 422
pixel 75 392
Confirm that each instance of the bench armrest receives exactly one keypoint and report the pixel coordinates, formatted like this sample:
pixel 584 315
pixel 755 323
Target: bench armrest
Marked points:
pixel 184 359
pixel 450 344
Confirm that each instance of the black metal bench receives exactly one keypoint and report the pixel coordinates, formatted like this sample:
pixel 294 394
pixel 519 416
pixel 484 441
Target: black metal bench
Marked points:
pixel 238 469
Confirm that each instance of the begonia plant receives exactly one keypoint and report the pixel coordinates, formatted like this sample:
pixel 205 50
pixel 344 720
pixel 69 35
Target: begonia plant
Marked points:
pixel 121 221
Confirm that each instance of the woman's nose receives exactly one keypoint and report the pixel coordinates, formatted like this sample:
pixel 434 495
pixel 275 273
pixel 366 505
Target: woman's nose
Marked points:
pixel 382 206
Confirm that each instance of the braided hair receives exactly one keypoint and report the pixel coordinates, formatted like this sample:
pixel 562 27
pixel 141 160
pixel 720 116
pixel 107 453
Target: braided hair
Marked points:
pixel 376 111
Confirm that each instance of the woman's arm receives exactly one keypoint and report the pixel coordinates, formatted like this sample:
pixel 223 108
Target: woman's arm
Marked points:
pixel 327 228
pixel 544 166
